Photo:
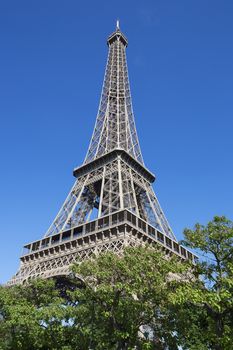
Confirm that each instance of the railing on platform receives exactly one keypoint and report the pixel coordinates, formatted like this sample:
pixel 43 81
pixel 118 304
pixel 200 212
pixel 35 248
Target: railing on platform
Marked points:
pixel 108 222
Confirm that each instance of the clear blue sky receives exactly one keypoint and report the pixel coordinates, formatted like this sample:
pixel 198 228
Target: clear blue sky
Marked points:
pixel 53 55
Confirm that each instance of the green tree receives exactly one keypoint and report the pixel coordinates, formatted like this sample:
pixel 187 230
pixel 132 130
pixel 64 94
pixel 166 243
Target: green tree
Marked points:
pixel 141 300
pixel 121 303
pixel 205 303
pixel 125 302
pixel 32 317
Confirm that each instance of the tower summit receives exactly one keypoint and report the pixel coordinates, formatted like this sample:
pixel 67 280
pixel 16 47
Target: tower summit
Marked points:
pixel 112 203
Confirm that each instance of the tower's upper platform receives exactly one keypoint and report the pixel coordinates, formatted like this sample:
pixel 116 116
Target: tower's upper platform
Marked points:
pixel 117 35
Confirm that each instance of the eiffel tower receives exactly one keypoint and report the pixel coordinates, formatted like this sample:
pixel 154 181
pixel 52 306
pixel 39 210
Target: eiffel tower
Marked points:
pixel 112 203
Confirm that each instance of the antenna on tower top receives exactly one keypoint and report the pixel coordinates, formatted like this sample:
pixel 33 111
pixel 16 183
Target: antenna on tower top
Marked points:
pixel 117 24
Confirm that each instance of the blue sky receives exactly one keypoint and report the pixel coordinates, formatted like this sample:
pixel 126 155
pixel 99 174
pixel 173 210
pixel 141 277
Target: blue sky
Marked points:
pixel 52 60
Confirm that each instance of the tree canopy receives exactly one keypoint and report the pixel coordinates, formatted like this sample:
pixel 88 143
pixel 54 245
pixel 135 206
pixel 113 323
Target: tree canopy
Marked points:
pixel 210 295
pixel 141 300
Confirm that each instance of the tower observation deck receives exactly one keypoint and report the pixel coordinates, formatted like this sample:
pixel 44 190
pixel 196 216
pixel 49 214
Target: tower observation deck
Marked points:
pixel 112 203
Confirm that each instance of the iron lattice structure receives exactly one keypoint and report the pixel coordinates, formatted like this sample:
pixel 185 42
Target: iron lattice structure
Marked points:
pixel 112 203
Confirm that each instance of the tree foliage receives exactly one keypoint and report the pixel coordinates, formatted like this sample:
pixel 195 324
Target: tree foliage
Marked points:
pixel 209 298
pixel 32 317
pixel 125 302
pixel 141 300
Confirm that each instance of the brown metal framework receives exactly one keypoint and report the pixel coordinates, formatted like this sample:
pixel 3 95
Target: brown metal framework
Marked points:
pixel 112 203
